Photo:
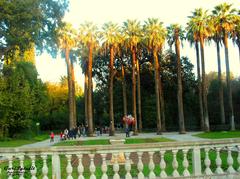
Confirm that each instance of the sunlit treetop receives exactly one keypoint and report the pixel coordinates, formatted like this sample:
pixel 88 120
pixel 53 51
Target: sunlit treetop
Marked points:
pixel 132 33
pixel 198 24
pixel 88 34
pixel 154 34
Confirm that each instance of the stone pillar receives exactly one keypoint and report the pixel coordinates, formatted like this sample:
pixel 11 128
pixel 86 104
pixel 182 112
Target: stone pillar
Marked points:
pixel 56 168
pixel 196 161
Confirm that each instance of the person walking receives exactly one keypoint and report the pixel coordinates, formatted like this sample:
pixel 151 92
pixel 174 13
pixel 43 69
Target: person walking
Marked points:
pixel 127 131
pixel 52 137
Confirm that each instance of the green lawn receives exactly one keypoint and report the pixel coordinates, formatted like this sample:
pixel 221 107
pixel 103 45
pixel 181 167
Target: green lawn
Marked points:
pixel 146 140
pixel 84 142
pixel 106 141
pixel 20 142
pixel 219 135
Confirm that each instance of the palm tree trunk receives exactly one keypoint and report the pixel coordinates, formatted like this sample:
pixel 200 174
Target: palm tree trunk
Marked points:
pixel 204 90
pixel 200 97
pixel 156 75
pixel 74 96
pixel 139 97
pixel 180 99
pixel 86 95
pixel 124 92
pixel 221 101
pixel 239 51
pixel 90 114
pixel 111 115
pixel 134 110
pixel 70 89
pixel 162 102
pixel 229 88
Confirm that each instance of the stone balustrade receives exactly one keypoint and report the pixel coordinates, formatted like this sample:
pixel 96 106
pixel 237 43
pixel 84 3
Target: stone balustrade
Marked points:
pixel 206 159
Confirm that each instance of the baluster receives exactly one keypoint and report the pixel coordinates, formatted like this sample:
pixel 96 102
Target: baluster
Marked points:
pixel 219 170
pixel 163 173
pixel 45 168
pixel 80 167
pixel 230 161
pixel 69 168
pixel 10 169
pixel 185 163
pixel 104 166
pixel 92 167
pixel 151 166
pixel 140 165
pixel 21 168
pixel 207 162
pixel 33 169
pixel 238 159
pixel 175 163
pixel 128 166
pixel 116 166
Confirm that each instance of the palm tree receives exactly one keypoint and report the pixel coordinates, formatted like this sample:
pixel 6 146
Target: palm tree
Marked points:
pixel 174 33
pixel 217 36
pixel 195 42
pixel 198 25
pixel 88 37
pixel 111 39
pixel 225 24
pixel 66 42
pixel 154 39
pixel 132 31
pixel 236 33
pixel 139 96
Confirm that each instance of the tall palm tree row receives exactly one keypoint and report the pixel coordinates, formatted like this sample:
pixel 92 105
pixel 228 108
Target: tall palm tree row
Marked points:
pixel 154 38
pixel 67 41
pixel 199 26
pixel 131 39
pixel 111 38
pixel 88 36
pixel 226 20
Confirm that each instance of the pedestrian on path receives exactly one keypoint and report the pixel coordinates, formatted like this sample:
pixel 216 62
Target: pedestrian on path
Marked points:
pixel 52 137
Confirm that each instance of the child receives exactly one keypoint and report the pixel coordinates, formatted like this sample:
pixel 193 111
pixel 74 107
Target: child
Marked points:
pixel 52 137
pixel 61 136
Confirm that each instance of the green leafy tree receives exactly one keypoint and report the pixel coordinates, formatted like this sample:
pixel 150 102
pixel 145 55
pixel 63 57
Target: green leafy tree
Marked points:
pixel 44 16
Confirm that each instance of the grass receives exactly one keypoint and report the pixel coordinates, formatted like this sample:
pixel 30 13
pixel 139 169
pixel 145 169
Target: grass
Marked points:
pixel 19 142
pixel 146 140
pixel 167 157
pixel 106 141
pixel 219 135
pixel 84 142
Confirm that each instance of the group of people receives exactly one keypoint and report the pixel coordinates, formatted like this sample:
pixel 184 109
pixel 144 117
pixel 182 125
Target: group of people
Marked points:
pixel 74 132
pixel 129 122
pixel 82 130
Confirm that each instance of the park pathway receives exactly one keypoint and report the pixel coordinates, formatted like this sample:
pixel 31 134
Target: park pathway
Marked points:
pixel 170 135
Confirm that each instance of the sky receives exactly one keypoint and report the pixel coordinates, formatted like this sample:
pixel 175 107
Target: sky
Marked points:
pixel 118 11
